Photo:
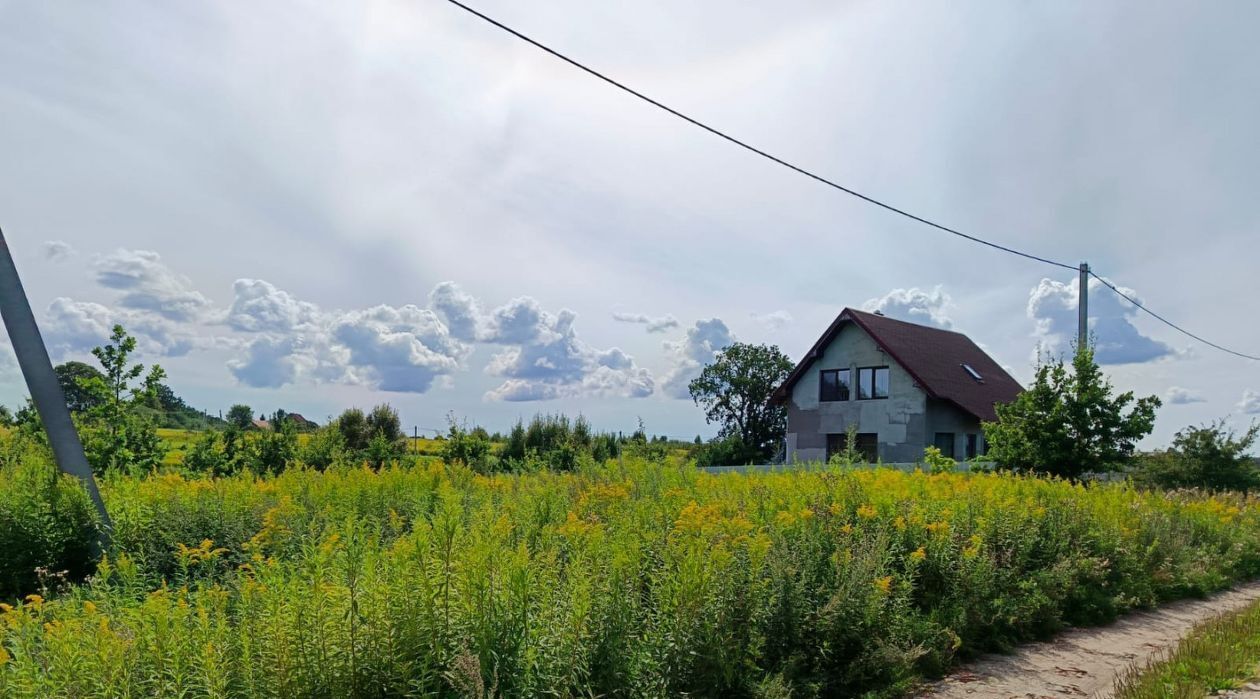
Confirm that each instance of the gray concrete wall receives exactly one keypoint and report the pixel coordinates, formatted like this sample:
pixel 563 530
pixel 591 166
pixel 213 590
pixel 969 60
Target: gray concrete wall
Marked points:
pixel 943 416
pixel 899 420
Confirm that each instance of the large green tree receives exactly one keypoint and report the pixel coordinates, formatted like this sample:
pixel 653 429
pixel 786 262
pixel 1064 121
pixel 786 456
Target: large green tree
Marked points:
pixel 734 392
pixel 73 376
pixel 1068 423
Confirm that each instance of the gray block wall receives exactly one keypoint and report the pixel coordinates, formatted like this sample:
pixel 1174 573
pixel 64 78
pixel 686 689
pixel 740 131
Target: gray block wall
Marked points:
pixel 900 421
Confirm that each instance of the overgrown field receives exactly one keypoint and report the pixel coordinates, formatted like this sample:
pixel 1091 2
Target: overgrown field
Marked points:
pixel 641 580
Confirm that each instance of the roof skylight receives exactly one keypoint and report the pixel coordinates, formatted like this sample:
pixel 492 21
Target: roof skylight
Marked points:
pixel 974 374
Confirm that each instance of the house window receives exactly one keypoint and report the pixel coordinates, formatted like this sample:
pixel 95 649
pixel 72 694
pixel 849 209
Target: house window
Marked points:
pixel 834 385
pixel 872 383
pixel 973 445
pixel 973 373
pixel 866 444
pixel 945 442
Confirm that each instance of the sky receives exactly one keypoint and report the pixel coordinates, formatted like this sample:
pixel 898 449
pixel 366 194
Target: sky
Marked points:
pixel 309 206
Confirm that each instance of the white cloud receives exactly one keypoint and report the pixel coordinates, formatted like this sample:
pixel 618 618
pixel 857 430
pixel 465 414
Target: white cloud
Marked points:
pixel 459 309
pixel 1250 403
pixel 57 250
pixel 1052 306
pixel 398 349
pixel 1176 395
pixel 269 362
pixel 654 325
pixel 773 320
pixel 914 305
pixel 544 358
pixel 78 326
pixel 704 340
pixel 149 285
pixel 259 306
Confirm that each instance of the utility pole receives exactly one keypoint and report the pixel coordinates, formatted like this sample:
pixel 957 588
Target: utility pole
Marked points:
pixel 45 390
pixel 1082 309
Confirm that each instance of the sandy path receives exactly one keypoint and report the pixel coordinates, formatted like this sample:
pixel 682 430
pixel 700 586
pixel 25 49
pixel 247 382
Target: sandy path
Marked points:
pixel 1085 662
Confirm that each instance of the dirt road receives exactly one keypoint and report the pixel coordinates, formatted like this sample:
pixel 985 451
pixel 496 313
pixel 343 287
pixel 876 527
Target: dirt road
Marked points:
pixel 1085 662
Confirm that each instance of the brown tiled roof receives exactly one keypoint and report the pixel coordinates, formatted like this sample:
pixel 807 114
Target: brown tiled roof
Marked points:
pixel 934 357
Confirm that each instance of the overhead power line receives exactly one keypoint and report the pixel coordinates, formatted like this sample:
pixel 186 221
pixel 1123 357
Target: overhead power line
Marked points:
pixel 819 178
pixel 1167 322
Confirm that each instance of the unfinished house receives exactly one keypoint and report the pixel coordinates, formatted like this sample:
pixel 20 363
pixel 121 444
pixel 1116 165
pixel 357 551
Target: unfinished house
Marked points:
pixel 901 386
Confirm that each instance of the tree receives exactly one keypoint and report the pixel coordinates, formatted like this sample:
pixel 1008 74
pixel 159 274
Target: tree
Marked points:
pixel 116 432
pixel 735 393
pixel 1209 456
pixel 1068 423
pixel 352 424
pixel 73 376
pixel 240 416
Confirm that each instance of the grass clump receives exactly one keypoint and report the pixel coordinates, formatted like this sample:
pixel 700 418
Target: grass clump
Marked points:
pixel 1218 654
pixel 642 580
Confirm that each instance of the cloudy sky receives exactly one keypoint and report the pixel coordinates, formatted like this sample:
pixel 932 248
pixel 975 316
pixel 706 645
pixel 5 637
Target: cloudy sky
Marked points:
pixel 314 205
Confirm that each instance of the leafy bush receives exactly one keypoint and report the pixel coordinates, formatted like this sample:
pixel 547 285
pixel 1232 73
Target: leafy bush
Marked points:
pixel 1209 456
pixel 634 579
pixel 47 528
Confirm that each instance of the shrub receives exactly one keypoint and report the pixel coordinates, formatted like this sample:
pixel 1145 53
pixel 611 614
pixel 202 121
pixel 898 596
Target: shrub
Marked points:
pixel 1209 456
pixel 47 528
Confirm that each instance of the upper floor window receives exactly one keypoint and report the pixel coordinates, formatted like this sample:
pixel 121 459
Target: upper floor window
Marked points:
pixel 834 385
pixel 872 382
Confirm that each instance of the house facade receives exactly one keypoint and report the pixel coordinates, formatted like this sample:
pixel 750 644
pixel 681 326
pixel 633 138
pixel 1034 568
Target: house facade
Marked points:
pixel 900 386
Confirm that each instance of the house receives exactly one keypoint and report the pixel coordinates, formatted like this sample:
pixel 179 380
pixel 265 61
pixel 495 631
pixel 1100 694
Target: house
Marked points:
pixel 261 425
pixel 901 386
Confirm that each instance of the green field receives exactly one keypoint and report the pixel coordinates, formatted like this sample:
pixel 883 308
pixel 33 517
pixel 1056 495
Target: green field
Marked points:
pixel 643 580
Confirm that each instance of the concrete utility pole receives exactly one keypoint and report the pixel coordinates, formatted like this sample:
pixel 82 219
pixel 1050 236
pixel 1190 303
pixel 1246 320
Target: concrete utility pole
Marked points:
pixel 45 390
pixel 1082 309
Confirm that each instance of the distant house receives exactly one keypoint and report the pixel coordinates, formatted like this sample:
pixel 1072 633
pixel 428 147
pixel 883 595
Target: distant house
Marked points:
pixel 900 385
pixel 261 425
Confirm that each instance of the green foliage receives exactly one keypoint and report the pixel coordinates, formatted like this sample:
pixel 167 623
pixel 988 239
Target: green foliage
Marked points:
pixel 1209 456
pixel 324 447
pixel 274 450
pixel 47 524
pixel 74 377
pixel 1068 423
pixel 735 390
pixel 376 437
pixel 466 447
pixel 116 431
pixel 725 451
pixel 850 456
pixel 630 580
pixel 557 442
pixel 938 462
pixel 240 416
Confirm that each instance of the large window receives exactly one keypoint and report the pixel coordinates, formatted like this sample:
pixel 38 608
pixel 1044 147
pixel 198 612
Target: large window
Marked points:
pixel 834 385
pixel 945 442
pixel 872 382
pixel 973 443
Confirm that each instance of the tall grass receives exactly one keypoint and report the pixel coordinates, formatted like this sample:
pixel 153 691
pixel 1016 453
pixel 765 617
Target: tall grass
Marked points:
pixel 636 581
pixel 1218 654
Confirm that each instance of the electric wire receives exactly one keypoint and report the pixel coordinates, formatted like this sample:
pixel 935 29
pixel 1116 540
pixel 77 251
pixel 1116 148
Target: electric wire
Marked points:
pixel 819 178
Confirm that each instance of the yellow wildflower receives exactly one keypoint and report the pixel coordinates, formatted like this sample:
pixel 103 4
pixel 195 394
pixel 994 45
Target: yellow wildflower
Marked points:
pixel 35 601
pixel 847 529
pixel 89 607
pixel 806 514
pixel 4 656
pixel 918 554
pixel 867 512
pixel 900 524
pixel 884 584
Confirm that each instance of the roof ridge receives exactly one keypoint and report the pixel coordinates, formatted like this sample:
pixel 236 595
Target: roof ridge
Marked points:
pixel 907 322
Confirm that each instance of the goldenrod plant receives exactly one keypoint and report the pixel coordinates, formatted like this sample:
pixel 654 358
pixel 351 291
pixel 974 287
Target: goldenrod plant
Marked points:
pixel 630 579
